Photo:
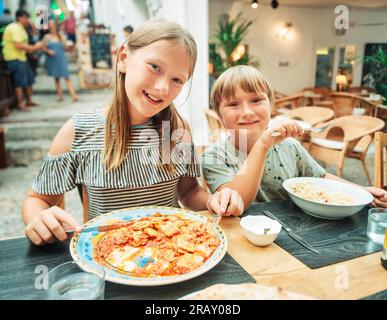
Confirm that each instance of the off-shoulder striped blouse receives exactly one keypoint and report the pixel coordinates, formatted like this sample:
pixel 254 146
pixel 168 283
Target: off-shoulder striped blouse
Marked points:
pixel 138 181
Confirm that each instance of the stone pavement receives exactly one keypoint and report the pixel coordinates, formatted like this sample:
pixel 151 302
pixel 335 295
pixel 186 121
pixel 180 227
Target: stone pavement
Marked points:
pixel 29 135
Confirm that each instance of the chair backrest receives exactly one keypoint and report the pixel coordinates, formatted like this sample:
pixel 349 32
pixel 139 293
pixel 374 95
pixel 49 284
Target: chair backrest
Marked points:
pixel 359 90
pixel 381 160
pixel 312 115
pixel 344 104
pixel 290 102
pixel 352 128
pixel 324 91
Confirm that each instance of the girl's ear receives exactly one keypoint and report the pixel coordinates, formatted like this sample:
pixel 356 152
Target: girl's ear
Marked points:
pixel 122 55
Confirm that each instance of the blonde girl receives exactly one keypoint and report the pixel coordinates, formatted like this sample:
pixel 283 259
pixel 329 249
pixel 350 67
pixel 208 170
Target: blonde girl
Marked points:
pixel 136 151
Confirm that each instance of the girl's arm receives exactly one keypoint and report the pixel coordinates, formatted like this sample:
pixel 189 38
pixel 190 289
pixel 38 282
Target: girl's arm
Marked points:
pixel 248 179
pixel 43 218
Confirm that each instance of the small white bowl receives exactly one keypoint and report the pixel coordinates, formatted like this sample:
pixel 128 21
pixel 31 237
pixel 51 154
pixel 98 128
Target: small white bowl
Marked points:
pixel 253 227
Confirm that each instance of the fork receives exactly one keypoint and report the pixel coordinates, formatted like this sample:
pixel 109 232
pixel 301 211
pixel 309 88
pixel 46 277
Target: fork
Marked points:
pixel 213 222
pixel 317 130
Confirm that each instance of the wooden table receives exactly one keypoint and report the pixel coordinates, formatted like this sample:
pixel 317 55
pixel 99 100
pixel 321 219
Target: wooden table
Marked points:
pixel 274 266
pixel 269 265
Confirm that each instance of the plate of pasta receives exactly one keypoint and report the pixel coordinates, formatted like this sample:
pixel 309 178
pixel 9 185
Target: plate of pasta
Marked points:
pixel 325 198
pixel 156 246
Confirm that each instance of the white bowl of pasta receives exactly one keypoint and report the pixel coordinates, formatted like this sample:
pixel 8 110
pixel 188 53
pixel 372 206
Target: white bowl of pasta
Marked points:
pixel 325 198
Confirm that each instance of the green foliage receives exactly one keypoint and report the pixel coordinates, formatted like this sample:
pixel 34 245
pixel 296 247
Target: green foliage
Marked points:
pixel 229 35
pixel 380 61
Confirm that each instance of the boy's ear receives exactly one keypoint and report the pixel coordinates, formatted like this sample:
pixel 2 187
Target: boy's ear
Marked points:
pixel 122 55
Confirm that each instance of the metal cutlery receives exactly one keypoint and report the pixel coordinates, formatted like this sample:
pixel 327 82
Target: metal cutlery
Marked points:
pixel 291 233
pixel 102 228
pixel 317 130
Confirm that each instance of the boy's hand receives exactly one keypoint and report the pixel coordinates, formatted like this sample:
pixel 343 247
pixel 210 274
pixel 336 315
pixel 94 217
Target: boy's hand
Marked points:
pixel 226 202
pixel 287 129
pixel 380 197
pixel 48 226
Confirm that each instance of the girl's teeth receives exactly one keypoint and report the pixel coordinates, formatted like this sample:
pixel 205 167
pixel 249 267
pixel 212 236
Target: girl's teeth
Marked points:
pixel 153 98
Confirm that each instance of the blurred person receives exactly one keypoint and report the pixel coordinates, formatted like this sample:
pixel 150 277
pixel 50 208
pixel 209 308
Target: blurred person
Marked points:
pixel 15 48
pixel 6 18
pixel 69 27
pixel 33 57
pixel 56 64
pixel 127 31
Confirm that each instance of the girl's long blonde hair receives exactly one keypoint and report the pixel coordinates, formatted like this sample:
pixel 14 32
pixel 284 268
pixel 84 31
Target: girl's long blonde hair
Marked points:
pixel 117 129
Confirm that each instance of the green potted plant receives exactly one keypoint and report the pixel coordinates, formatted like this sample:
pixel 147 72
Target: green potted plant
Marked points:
pixel 226 51
pixel 380 75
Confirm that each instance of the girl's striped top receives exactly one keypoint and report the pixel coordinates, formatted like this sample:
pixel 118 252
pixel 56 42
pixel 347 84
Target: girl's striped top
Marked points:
pixel 140 180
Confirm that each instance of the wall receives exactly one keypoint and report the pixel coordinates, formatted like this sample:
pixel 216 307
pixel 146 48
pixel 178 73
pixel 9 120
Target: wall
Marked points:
pixel 312 27
pixel 119 13
pixel 191 103
pixel 216 8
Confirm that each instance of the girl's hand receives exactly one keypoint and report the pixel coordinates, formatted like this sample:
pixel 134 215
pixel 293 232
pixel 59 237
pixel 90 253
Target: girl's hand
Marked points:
pixel 380 197
pixel 287 129
pixel 49 227
pixel 226 202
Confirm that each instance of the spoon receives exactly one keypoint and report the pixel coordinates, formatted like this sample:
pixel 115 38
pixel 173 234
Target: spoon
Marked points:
pixel 317 130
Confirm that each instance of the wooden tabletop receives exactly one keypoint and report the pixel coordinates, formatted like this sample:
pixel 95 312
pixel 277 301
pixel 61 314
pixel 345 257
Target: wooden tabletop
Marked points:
pixel 273 266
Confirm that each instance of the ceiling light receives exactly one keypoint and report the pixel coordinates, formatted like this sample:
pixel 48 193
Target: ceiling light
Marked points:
pixel 254 4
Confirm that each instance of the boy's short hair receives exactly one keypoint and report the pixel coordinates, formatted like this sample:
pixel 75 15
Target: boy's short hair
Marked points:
pixel 248 78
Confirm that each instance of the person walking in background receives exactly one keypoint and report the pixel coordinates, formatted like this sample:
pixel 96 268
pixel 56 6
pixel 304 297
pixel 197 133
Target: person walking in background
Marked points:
pixel 6 18
pixel 15 48
pixel 56 64
pixel 33 57
pixel 127 31
pixel 69 27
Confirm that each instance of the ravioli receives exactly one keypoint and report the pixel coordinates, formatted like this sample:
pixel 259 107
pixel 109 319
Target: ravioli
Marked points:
pixel 155 246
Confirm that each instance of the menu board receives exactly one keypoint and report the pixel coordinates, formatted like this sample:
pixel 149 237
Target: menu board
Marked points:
pixel 100 49
pixel 96 57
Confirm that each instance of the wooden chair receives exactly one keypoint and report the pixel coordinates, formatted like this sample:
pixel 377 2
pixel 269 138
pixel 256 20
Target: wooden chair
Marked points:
pixel 215 125
pixel 347 137
pixel 345 104
pixel 279 95
pixel 359 90
pixel 312 115
pixel 324 91
pixel 381 160
pixel 289 102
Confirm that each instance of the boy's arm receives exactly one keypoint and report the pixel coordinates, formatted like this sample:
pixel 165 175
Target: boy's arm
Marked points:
pixel 380 195
pixel 248 179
